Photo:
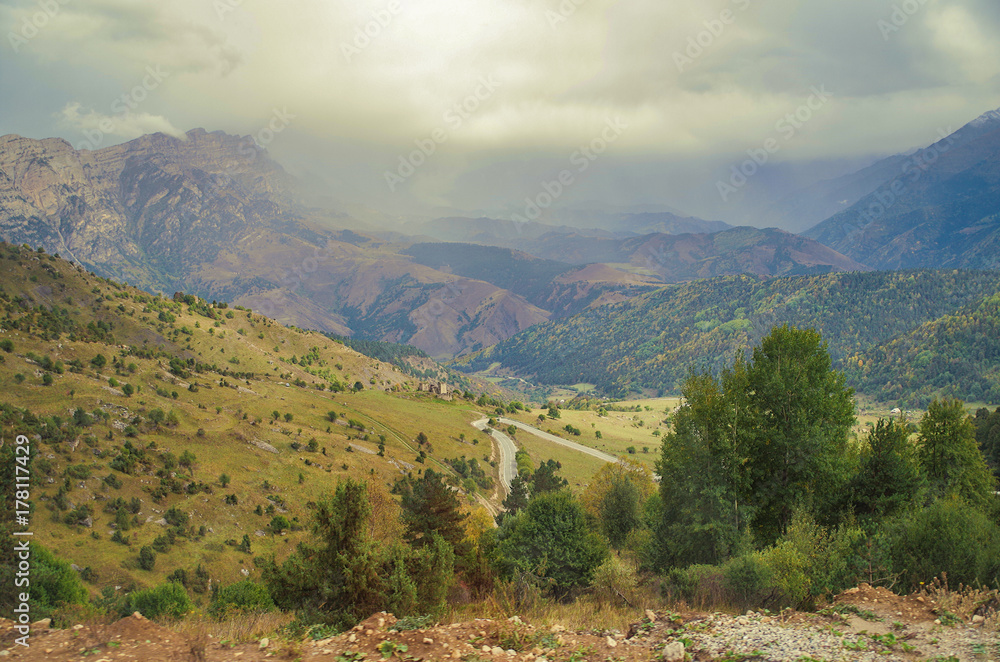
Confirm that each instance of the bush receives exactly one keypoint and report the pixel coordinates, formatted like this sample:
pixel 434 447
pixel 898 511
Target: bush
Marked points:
pixel 147 558
pixel 168 600
pixel 701 586
pixel 748 581
pixel 241 596
pixel 53 583
pixel 616 580
pixel 947 536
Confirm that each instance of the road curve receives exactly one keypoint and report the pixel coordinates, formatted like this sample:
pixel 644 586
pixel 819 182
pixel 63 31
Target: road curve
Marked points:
pixel 559 440
pixel 508 465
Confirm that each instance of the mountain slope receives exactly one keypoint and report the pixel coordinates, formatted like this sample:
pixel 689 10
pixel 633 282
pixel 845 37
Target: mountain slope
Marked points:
pixel 212 214
pixel 146 411
pixel 652 341
pixel 940 209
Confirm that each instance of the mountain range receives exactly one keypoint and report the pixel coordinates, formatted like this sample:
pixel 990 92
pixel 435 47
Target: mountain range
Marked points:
pixel 212 214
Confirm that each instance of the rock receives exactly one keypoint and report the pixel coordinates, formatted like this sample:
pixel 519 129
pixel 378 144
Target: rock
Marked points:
pixel 977 619
pixel 611 642
pixel 244 572
pixel 43 624
pixel 650 616
pixel 264 643
pixel 137 616
pixel 428 640
pixel 496 650
pixel 920 598
pixel 77 627
pixel 673 652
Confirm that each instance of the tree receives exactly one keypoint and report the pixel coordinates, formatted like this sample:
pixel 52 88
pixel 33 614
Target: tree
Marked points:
pixel 224 480
pixel 793 414
pixel 430 506
pixel 278 524
pixel 615 497
pixel 950 457
pixel 517 498
pixel 889 479
pixel 700 518
pixel 99 361
pixel 550 539
pixel 340 573
pixel 288 418
pixel 545 479
pixel 187 460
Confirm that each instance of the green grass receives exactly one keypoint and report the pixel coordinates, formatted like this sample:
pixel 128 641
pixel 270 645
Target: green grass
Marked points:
pixel 224 445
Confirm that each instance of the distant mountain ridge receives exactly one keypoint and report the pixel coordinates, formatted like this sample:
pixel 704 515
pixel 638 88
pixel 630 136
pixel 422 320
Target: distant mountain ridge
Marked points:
pixel 651 342
pixel 936 208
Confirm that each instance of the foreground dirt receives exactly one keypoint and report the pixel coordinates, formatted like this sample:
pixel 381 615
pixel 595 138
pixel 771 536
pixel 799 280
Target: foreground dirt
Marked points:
pixel 864 623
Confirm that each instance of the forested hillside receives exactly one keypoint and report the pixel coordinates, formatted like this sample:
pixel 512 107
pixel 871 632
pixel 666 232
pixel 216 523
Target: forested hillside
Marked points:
pixel 653 341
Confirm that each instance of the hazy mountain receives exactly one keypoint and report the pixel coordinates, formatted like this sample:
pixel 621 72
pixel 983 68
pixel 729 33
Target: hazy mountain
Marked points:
pixel 214 215
pixel 939 208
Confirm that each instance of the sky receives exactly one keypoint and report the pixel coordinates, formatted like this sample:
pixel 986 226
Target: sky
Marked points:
pixel 416 107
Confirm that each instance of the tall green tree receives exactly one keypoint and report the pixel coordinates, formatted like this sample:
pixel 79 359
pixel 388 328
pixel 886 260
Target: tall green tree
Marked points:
pixel 701 518
pixel 517 498
pixel 951 458
pixel 431 507
pixel 341 575
pixel 793 414
pixel 889 480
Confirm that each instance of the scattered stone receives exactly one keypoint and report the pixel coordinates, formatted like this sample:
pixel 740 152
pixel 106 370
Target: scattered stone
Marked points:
pixel 977 619
pixel 611 642
pixel 43 624
pixel 673 652
pixel 428 640
pixel 650 616
pixel 264 643
pixel 136 615
pixel 496 650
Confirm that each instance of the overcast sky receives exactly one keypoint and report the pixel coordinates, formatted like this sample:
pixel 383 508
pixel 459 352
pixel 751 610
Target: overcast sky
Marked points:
pixel 671 92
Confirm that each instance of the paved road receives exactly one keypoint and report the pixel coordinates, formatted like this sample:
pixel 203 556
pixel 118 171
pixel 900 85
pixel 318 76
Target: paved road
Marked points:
pixel 508 466
pixel 559 440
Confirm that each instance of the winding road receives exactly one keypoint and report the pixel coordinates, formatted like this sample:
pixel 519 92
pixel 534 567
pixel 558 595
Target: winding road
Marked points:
pixel 508 466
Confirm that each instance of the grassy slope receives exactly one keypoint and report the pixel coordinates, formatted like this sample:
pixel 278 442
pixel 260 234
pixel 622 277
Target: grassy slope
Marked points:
pixel 244 414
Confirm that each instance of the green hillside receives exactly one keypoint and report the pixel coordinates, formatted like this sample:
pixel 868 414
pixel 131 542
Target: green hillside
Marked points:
pixel 957 355
pixel 202 431
pixel 651 342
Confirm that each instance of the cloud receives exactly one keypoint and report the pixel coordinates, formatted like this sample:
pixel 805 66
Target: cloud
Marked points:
pixel 93 126
pixel 365 79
